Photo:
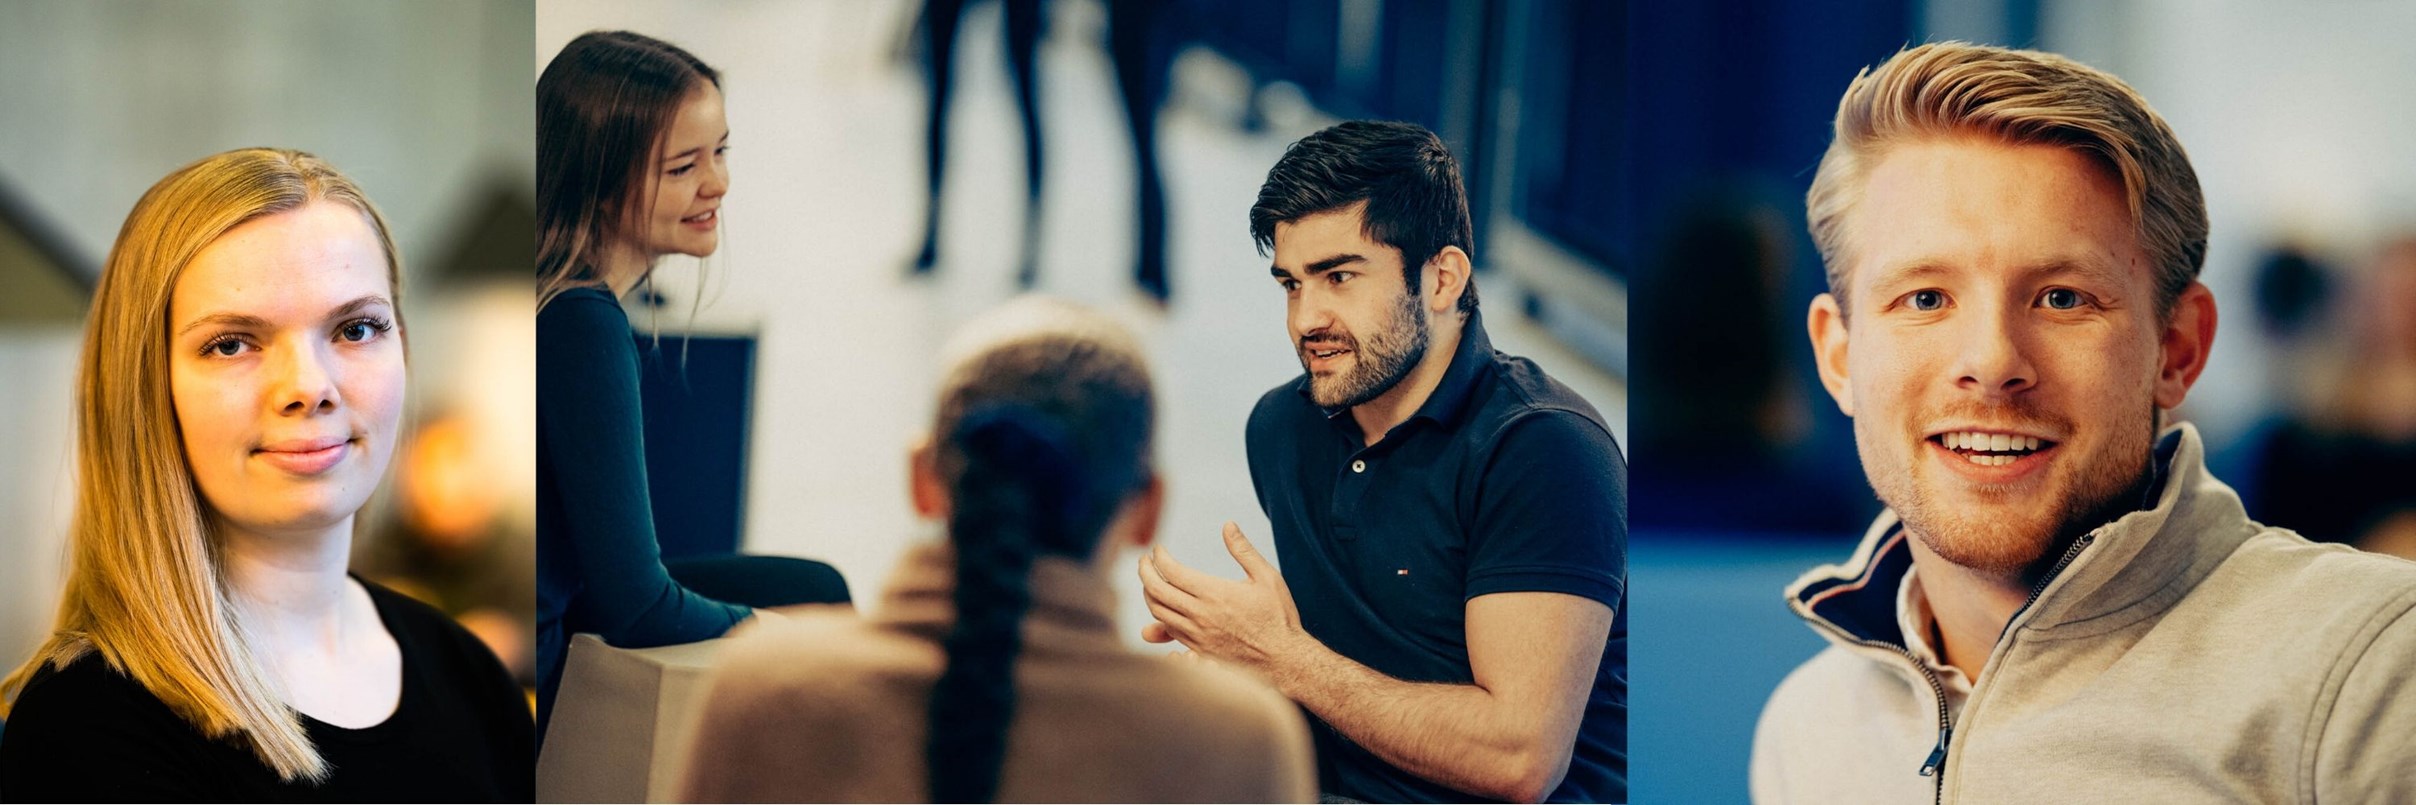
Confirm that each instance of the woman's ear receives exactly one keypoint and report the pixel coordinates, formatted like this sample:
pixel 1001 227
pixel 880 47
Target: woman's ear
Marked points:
pixel 923 480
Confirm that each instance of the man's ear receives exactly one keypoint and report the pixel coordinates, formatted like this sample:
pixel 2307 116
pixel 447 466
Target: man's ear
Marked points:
pixel 1145 509
pixel 923 482
pixel 2185 342
pixel 1827 326
pixel 1445 276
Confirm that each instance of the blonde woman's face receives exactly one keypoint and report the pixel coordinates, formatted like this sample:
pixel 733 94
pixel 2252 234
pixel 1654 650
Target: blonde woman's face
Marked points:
pixel 286 367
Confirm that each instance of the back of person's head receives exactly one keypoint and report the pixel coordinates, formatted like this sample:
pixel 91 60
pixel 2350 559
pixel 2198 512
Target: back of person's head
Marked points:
pixel 2020 97
pixel 1403 172
pixel 144 589
pixel 603 106
pixel 1042 436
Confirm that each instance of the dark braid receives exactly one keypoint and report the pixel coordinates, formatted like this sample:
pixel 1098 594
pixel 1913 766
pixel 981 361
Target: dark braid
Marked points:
pixel 1045 438
pixel 1012 497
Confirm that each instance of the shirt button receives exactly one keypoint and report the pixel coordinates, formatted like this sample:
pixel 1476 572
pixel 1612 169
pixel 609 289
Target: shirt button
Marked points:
pixel 1359 466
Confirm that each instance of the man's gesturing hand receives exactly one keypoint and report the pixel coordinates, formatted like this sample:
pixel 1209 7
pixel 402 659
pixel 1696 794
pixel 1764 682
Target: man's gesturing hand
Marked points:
pixel 1250 623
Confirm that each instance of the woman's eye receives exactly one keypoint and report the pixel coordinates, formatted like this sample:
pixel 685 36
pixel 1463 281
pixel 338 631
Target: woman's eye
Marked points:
pixel 683 169
pixel 360 330
pixel 2061 298
pixel 223 347
pixel 1926 300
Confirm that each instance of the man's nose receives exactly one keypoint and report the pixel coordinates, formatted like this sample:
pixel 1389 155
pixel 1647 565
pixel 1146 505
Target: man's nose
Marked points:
pixel 1993 352
pixel 1311 312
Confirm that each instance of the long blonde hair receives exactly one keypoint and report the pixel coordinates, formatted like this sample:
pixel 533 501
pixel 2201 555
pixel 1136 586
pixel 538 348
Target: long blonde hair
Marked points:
pixel 144 588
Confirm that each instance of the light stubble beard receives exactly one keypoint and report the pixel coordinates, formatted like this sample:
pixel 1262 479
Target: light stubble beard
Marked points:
pixel 2015 550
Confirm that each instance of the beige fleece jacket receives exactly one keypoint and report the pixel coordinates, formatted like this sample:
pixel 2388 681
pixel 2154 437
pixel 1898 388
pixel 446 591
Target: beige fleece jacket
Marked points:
pixel 825 706
pixel 2184 654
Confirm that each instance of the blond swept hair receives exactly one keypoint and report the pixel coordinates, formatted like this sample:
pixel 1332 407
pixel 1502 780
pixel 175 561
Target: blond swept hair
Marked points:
pixel 2021 97
pixel 144 589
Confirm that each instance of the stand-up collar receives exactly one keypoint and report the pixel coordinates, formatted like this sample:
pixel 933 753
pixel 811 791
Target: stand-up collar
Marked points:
pixel 2149 559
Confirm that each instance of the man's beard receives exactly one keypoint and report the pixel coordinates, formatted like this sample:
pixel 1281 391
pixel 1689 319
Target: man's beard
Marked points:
pixel 2012 548
pixel 1377 365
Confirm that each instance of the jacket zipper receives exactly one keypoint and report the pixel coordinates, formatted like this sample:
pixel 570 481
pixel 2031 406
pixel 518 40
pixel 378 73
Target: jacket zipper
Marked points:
pixel 2041 587
pixel 1937 757
pixel 1937 690
pixel 1935 764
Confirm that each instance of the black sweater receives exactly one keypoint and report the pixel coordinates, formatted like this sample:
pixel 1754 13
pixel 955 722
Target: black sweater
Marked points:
pixel 461 733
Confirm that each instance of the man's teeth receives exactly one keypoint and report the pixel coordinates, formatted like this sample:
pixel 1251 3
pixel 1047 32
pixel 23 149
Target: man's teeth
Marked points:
pixel 1989 449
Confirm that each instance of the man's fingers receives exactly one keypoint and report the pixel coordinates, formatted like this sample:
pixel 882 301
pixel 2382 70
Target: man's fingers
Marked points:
pixel 1253 563
pixel 1191 582
pixel 1155 632
pixel 1171 624
pixel 1156 589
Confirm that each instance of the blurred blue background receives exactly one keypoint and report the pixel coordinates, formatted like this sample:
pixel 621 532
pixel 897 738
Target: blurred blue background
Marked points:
pixel 2295 116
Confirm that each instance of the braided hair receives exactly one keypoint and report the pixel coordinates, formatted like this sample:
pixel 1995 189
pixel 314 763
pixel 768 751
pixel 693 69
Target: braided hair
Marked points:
pixel 1045 436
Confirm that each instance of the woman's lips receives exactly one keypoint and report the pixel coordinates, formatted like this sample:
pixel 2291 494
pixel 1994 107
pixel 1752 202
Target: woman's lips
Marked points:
pixel 703 222
pixel 305 458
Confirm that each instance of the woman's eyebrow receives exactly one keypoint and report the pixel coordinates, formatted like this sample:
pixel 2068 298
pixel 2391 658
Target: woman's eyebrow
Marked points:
pixel 231 319
pixel 356 305
pixel 247 320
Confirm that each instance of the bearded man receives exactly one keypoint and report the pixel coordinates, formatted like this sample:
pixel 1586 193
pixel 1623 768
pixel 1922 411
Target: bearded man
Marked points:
pixel 1451 609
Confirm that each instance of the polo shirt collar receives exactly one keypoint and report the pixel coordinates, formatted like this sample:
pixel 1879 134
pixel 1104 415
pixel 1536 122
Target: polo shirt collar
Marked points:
pixel 1468 363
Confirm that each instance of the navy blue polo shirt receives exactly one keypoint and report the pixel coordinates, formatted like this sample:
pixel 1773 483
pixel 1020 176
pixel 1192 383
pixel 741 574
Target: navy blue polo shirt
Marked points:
pixel 1503 481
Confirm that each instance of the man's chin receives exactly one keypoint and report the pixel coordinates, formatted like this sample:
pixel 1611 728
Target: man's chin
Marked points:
pixel 1995 547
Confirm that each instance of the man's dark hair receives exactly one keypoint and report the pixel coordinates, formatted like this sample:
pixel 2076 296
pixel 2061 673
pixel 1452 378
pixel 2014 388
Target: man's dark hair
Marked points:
pixel 1406 175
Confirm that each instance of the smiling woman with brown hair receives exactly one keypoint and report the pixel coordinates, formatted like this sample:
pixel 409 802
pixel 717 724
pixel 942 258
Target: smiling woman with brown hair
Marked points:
pixel 631 168
pixel 237 402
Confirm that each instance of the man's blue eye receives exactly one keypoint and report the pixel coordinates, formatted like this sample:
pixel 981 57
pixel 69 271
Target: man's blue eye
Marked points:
pixel 1926 300
pixel 2061 298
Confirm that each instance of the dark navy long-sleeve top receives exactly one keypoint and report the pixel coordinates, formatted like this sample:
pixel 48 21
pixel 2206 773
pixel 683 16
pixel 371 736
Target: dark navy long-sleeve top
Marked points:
pixel 599 568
